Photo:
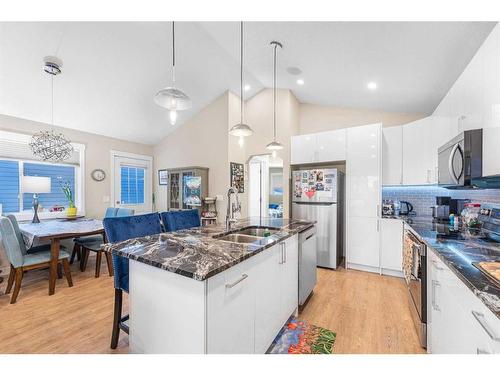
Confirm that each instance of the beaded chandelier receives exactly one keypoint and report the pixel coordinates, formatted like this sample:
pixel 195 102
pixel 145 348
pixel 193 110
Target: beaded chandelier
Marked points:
pixel 49 146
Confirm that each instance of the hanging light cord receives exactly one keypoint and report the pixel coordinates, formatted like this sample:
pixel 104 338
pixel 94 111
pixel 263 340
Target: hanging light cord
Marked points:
pixel 173 53
pixel 241 72
pixel 52 84
pixel 274 93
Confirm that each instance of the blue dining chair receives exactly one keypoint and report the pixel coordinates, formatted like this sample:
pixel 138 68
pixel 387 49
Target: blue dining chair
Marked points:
pixel 120 229
pixel 22 261
pixel 84 245
pixel 20 239
pixel 177 220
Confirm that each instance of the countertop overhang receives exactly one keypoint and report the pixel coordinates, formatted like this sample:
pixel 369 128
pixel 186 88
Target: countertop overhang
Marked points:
pixel 198 253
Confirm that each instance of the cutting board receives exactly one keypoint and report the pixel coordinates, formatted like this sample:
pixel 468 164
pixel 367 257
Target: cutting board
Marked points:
pixel 490 269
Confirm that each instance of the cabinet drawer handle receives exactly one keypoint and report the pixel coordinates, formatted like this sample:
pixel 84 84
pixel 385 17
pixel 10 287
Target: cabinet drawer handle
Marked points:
pixel 480 319
pixel 243 277
pixel 482 351
pixel 435 264
pixel 433 302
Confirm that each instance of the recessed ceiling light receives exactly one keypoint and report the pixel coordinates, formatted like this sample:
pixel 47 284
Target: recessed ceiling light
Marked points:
pixel 371 86
pixel 293 70
pixel 247 87
pixel 300 82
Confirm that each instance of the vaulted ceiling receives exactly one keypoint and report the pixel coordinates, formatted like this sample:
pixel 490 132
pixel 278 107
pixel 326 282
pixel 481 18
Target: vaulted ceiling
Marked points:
pixel 111 70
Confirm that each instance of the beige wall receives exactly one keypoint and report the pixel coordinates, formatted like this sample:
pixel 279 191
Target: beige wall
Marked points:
pixel 259 115
pixel 97 155
pixel 202 141
pixel 316 118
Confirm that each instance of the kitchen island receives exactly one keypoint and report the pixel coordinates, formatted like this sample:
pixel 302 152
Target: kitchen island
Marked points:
pixel 206 290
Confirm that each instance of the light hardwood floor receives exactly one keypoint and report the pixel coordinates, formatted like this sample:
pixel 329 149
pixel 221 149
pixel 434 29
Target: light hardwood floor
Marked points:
pixel 369 313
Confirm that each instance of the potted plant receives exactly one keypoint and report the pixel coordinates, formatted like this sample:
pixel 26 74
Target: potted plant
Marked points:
pixel 66 189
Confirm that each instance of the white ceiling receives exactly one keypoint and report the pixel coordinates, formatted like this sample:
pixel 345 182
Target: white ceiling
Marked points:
pixel 112 70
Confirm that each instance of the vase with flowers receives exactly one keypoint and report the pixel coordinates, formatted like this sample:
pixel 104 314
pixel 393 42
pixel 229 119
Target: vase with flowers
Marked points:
pixel 66 189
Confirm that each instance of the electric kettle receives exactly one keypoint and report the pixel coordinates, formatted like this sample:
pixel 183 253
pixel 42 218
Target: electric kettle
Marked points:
pixel 405 208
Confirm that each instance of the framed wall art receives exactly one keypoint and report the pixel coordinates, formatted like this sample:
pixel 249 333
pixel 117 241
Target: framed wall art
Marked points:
pixel 238 176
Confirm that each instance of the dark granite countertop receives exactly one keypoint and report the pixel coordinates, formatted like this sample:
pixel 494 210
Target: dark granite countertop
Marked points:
pixel 458 250
pixel 197 252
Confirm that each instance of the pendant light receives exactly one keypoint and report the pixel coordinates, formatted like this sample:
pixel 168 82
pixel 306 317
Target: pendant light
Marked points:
pixel 48 145
pixel 274 145
pixel 172 98
pixel 241 129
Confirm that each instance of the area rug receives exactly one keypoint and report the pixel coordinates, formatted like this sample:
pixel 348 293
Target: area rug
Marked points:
pixel 300 337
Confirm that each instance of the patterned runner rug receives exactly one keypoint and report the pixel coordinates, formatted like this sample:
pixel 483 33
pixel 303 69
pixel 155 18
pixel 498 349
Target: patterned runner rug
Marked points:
pixel 299 337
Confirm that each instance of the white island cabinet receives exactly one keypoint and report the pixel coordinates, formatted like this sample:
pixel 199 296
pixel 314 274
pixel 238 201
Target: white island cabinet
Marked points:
pixel 239 310
pixel 457 321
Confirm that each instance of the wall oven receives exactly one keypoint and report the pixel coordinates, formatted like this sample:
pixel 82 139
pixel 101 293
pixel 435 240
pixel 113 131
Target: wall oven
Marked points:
pixel 415 274
pixel 460 161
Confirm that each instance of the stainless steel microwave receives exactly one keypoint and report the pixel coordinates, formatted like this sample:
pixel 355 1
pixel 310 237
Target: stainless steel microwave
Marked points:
pixel 460 161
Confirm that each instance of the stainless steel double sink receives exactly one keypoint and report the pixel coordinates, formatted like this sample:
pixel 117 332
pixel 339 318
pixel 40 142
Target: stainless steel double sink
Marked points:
pixel 248 235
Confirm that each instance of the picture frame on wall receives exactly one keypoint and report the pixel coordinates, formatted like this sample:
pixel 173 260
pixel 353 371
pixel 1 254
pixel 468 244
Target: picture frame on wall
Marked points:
pixel 238 176
pixel 162 177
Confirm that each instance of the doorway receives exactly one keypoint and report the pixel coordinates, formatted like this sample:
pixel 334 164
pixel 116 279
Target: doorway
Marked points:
pixel 132 181
pixel 265 186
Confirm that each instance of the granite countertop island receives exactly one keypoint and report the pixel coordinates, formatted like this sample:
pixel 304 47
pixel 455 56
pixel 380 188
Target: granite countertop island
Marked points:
pixel 198 253
pixel 458 250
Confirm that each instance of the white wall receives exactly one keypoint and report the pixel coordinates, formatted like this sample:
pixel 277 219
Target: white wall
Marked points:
pixel 474 99
pixel 202 141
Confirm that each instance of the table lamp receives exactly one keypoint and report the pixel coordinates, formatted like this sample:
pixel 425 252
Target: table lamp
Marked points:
pixel 36 185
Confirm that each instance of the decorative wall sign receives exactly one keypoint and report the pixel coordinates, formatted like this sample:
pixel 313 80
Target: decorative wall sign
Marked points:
pixel 238 177
pixel 162 177
pixel 98 175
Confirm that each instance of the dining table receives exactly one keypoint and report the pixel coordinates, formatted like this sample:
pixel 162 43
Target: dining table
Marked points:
pixel 55 230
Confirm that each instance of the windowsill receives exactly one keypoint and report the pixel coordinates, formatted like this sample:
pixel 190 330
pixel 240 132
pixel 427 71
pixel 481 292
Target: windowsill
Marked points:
pixel 28 215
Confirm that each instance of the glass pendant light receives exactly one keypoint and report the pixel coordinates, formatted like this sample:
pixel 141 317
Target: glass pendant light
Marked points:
pixel 241 129
pixel 274 145
pixel 172 98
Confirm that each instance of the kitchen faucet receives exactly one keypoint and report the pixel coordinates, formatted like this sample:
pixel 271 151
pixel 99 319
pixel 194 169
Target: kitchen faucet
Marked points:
pixel 232 207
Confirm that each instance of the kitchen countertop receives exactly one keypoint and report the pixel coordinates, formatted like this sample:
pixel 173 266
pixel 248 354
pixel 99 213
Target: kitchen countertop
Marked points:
pixel 459 254
pixel 196 254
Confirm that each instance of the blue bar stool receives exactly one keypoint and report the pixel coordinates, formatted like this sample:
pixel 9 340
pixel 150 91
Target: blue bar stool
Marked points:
pixel 177 220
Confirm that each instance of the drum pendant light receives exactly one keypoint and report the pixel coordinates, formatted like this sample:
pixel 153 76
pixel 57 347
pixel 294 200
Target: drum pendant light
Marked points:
pixel 172 98
pixel 274 145
pixel 241 129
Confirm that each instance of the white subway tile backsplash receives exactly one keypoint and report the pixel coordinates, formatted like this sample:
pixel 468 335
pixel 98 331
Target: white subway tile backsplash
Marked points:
pixel 423 197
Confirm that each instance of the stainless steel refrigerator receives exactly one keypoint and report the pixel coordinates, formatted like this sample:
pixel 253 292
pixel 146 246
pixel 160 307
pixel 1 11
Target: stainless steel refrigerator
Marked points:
pixel 318 194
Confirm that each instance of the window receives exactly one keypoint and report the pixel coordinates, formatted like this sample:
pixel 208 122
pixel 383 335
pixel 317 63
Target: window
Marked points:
pixel 11 172
pixel 16 160
pixel 132 185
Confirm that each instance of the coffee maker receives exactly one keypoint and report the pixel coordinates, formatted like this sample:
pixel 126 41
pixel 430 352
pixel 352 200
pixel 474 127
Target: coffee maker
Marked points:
pixel 441 211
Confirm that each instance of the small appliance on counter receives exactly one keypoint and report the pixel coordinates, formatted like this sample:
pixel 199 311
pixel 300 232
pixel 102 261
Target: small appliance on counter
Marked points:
pixel 458 205
pixel 406 208
pixel 441 211
pixel 388 207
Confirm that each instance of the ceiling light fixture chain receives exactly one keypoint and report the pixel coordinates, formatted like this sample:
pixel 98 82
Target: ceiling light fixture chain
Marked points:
pixel 171 97
pixel 47 145
pixel 275 145
pixel 241 130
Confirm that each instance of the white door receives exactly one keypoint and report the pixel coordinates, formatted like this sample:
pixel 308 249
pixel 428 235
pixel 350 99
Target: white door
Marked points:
pixel 267 297
pixel 132 182
pixel 289 276
pixel 363 196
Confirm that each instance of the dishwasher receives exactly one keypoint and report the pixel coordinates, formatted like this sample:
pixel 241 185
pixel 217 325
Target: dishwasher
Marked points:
pixel 307 263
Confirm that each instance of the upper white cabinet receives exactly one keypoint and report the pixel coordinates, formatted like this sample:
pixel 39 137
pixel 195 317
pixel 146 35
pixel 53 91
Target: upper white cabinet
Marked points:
pixel 421 141
pixel 392 155
pixel 319 147
pixel 363 196
pixel 491 161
